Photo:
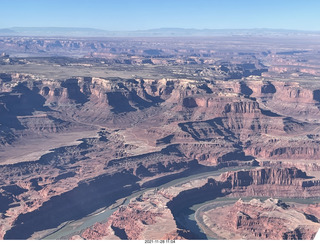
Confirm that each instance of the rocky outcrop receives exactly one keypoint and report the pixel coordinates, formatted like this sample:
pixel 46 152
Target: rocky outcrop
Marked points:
pixel 185 123
pixel 268 220
pixel 139 113
pixel 273 176
pixel 145 217
pixel 129 227
pixel 167 204
pixel 294 149
pixel 274 182
pixel 73 175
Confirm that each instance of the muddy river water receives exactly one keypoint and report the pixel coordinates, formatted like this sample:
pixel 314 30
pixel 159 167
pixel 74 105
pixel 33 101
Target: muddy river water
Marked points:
pixel 101 215
pixel 185 216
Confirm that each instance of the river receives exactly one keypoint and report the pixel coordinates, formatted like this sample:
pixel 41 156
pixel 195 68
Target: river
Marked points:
pixel 101 215
pixel 185 217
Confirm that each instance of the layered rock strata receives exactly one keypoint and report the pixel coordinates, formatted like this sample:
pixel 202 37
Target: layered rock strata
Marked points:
pixel 271 219
pixel 162 205
pixel 148 131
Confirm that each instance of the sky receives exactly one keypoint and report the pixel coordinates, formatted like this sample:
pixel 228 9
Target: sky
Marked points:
pixel 149 14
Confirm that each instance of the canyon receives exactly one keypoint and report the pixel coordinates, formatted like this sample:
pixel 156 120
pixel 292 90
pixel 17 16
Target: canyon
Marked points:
pixel 86 123
pixel 269 219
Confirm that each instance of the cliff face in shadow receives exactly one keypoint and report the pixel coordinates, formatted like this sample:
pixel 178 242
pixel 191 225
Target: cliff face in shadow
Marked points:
pixel 76 134
pixel 271 219
pixel 173 203
pixel 81 201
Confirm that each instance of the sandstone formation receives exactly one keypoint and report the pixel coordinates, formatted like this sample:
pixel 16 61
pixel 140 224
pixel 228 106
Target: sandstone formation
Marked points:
pixel 158 209
pixel 271 219
pixel 112 117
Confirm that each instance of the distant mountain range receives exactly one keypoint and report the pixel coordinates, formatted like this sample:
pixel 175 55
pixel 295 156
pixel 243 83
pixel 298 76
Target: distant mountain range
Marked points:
pixel 161 32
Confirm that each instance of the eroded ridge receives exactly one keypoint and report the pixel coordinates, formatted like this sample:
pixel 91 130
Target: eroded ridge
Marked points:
pixel 160 209
pixel 79 135
pixel 271 219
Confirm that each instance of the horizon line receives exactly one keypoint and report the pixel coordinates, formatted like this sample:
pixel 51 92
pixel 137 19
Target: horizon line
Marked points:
pixel 157 28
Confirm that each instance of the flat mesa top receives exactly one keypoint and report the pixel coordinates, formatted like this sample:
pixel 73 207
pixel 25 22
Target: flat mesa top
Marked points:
pixel 149 138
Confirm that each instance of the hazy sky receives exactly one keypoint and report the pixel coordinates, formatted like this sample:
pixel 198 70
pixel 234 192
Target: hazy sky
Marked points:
pixel 148 14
